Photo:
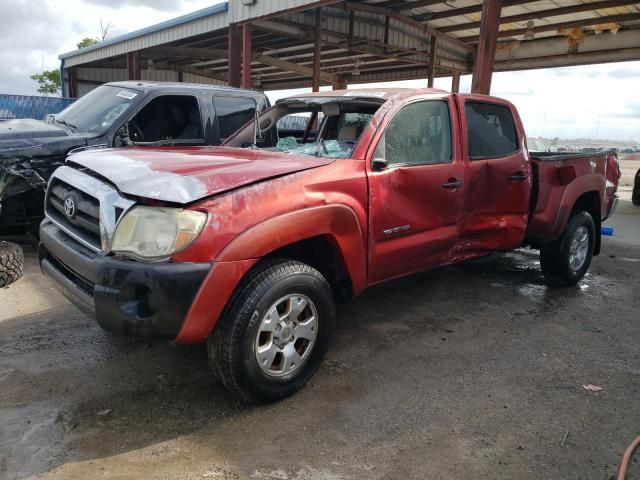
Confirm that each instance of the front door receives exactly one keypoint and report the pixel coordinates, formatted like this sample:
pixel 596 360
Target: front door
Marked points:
pixel 416 190
pixel 497 179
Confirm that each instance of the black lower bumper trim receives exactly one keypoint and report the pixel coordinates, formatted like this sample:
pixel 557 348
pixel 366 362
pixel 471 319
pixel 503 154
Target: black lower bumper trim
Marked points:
pixel 133 298
pixel 67 287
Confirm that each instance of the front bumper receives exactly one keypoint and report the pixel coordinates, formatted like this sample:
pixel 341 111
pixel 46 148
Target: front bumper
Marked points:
pixel 132 298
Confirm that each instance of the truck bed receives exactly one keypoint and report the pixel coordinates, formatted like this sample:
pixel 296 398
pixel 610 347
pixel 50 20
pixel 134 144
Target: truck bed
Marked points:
pixel 566 179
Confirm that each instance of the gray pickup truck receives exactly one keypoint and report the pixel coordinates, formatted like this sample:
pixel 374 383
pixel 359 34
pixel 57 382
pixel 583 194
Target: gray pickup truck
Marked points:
pixel 133 113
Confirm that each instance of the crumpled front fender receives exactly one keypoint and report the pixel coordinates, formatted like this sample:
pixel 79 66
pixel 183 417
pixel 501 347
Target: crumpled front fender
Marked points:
pixel 34 171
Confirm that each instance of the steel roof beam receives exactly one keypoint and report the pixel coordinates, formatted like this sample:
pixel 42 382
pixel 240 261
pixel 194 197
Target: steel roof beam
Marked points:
pixel 483 67
pixel 464 10
pixel 338 63
pixel 213 53
pixel 341 40
pixel 581 58
pixel 553 12
pixel 195 71
pixel 409 21
pixel 291 67
pixel 562 25
pixel 404 5
pixel 193 52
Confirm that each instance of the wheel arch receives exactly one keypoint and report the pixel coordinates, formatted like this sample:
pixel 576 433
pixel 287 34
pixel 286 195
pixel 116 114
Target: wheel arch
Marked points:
pixel 590 202
pixel 295 234
pixel 314 235
pixel 585 193
pixel 323 254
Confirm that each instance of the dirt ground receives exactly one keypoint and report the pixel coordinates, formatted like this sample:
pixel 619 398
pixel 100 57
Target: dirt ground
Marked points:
pixel 466 372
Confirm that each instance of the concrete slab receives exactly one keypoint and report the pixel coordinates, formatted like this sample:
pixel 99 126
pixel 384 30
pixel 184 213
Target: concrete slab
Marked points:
pixel 469 372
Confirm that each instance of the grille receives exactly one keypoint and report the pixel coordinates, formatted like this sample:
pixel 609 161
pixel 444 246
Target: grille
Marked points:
pixel 85 221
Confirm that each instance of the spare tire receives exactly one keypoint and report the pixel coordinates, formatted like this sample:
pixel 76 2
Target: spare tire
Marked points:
pixel 11 263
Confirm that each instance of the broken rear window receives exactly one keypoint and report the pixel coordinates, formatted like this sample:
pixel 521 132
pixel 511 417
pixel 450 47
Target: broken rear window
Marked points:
pixel 318 126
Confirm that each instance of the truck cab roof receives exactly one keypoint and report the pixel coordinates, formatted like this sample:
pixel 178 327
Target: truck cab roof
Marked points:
pixel 148 86
pixel 381 93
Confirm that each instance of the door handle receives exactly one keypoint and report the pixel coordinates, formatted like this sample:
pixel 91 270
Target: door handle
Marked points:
pixel 452 183
pixel 519 177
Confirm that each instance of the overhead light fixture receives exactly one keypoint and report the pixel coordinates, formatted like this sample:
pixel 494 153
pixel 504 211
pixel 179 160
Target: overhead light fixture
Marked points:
pixel 530 34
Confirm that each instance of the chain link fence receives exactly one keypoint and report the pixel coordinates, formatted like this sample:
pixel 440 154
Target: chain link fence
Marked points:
pixel 27 106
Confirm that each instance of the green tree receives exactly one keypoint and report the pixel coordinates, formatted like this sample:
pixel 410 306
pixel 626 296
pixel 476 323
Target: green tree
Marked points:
pixel 87 42
pixel 49 82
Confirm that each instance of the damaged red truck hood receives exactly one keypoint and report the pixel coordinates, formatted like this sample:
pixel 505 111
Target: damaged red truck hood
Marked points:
pixel 184 175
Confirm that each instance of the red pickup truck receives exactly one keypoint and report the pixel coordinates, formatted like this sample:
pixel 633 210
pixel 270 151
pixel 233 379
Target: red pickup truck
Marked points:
pixel 249 248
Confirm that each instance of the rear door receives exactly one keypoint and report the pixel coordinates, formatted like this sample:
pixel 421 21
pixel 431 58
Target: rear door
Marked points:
pixel 497 177
pixel 416 189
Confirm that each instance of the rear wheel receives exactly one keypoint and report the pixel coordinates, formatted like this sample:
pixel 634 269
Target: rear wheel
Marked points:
pixel 274 333
pixel 11 263
pixel 566 261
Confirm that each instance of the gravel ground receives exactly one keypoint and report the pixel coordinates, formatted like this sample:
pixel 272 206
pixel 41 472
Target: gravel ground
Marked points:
pixel 467 372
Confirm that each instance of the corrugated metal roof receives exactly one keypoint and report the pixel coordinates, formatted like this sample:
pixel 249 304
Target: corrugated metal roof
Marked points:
pixel 190 17
pixel 369 40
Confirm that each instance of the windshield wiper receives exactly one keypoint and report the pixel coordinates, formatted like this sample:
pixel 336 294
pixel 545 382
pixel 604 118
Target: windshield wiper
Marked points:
pixel 64 122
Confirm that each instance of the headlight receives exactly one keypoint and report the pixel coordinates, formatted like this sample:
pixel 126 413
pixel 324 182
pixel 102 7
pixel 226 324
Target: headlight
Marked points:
pixel 155 233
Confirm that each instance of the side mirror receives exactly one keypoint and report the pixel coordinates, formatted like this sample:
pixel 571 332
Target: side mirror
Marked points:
pixel 379 164
pixel 379 161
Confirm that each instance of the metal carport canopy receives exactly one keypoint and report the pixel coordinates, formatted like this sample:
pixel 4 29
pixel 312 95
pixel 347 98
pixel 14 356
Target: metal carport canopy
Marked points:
pixel 362 41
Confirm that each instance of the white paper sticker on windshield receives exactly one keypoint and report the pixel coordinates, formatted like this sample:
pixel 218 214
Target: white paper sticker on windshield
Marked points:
pixel 126 94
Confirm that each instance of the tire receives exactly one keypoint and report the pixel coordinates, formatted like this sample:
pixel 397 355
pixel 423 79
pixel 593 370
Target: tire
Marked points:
pixel 277 290
pixel 635 196
pixel 566 261
pixel 11 263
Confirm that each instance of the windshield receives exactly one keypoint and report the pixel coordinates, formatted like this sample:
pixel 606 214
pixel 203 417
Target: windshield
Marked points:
pixel 329 128
pixel 98 110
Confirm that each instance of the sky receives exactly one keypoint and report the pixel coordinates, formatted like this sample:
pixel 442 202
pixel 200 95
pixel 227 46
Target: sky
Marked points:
pixel 598 101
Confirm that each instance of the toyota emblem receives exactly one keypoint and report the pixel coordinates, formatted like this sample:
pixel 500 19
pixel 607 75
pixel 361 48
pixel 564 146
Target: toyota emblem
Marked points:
pixel 70 206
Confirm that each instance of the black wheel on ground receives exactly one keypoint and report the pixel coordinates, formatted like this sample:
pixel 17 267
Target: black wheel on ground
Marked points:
pixel 635 196
pixel 275 331
pixel 566 261
pixel 11 263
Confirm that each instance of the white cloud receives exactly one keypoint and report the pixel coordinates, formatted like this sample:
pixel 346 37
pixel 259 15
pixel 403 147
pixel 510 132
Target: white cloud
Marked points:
pixel 594 101
pixel 35 32
pixel 591 101
pixel 164 5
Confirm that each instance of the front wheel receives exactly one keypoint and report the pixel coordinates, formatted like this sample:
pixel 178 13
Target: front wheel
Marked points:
pixel 274 333
pixel 566 261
